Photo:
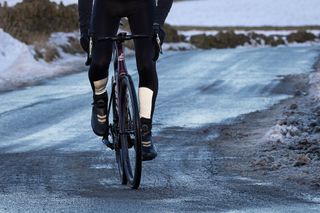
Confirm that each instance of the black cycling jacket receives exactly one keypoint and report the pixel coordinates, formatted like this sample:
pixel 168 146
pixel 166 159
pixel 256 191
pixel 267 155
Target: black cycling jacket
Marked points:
pixel 85 9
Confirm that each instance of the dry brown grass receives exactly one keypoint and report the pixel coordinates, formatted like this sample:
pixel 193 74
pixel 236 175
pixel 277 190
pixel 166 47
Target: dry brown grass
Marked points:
pixel 30 19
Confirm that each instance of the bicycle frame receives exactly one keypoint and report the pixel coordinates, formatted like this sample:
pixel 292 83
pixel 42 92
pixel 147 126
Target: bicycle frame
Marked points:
pixel 119 60
pixel 120 69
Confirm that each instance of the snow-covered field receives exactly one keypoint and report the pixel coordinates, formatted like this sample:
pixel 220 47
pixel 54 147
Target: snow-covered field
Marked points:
pixel 189 33
pixel 238 12
pixel 18 66
pixel 245 13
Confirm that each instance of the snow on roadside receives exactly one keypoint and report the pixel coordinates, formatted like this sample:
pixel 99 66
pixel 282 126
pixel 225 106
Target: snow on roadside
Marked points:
pixel 178 46
pixel 61 38
pixel 189 33
pixel 18 66
pixel 297 130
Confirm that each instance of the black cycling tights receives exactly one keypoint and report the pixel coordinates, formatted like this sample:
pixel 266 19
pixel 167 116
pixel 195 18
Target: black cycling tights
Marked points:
pixel 105 22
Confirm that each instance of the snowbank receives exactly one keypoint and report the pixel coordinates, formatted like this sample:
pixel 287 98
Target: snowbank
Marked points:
pixel 189 33
pixel 245 13
pixel 18 66
pixel 178 46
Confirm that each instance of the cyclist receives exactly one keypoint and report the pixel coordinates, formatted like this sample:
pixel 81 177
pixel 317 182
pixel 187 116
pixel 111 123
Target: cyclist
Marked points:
pixel 146 17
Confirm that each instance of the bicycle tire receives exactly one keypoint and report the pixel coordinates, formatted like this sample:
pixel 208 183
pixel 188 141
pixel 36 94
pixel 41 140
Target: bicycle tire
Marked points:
pixel 130 130
pixel 116 137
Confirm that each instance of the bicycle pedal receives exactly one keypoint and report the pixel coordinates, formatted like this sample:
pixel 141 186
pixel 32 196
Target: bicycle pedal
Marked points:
pixel 108 143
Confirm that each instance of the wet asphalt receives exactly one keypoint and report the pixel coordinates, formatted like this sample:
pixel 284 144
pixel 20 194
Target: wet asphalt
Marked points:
pixel 52 162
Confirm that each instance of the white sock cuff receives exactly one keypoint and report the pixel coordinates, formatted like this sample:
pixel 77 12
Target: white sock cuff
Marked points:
pixel 100 86
pixel 145 102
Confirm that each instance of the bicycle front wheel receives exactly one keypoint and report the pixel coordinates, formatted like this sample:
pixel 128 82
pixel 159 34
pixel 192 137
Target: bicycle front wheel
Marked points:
pixel 130 132
pixel 115 136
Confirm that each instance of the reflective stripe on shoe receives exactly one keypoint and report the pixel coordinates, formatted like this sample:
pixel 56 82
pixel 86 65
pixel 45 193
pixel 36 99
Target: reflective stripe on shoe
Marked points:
pixel 102 118
pixel 146 143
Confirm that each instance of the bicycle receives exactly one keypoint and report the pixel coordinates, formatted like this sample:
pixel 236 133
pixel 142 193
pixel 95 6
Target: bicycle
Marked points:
pixel 124 131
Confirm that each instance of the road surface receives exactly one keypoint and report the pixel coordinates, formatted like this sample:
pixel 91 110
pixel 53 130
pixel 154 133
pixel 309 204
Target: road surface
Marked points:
pixel 52 162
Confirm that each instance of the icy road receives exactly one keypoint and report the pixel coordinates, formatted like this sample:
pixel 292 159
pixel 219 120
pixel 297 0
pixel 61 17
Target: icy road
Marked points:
pixel 52 162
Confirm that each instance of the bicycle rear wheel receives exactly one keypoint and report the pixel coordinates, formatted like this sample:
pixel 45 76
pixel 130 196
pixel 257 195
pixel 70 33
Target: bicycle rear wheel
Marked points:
pixel 130 132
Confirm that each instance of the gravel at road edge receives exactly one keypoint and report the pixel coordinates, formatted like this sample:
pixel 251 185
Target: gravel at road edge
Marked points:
pixel 280 145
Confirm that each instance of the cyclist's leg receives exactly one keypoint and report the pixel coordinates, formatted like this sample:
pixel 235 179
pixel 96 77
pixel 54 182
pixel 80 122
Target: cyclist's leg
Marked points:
pixel 103 24
pixel 141 23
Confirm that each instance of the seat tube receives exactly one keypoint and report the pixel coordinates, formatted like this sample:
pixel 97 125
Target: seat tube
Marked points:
pixel 122 69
